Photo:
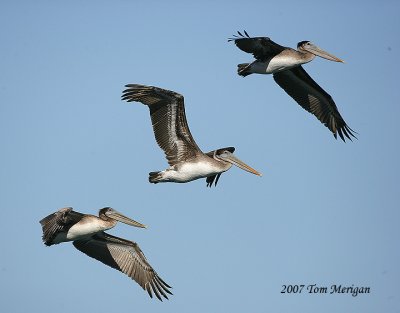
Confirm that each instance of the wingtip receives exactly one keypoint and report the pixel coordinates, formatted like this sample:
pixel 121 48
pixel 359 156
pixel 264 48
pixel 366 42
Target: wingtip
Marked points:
pixel 345 132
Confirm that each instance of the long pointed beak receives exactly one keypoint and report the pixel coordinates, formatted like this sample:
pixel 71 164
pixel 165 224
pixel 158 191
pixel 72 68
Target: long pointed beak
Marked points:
pixel 321 53
pixel 229 157
pixel 124 219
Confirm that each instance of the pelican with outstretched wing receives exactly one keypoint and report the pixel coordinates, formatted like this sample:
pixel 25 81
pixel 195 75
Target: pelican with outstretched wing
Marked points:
pixel 285 65
pixel 187 162
pixel 87 235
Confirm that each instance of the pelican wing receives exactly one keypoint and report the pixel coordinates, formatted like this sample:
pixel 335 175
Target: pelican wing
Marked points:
pixel 126 257
pixel 58 222
pixel 306 92
pixel 167 111
pixel 262 48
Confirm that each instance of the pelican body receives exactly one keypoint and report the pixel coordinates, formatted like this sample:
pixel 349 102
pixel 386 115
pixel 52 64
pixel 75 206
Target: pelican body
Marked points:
pixel 187 162
pixel 87 234
pixel 284 64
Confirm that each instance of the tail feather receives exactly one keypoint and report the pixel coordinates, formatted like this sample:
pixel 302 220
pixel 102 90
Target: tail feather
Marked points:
pixel 154 177
pixel 244 69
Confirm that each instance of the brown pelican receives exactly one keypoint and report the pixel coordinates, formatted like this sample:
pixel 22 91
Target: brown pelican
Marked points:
pixel 87 235
pixel 187 162
pixel 285 65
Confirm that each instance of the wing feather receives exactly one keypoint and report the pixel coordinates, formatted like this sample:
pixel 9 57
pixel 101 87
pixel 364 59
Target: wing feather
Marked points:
pixel 167 111
pixel 262 48
pixel 126 257
pixel 58 222
pixel 306 92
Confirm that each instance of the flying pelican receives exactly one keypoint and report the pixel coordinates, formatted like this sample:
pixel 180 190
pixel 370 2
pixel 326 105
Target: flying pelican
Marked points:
pixel 187 162
pixel 285 65
pixel 87 235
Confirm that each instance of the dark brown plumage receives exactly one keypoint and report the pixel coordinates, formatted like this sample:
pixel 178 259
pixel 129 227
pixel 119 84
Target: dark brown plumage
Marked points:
pixel 165 105
pixel 313 99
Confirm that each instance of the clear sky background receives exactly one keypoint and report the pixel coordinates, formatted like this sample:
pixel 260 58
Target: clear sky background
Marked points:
pixel 325 212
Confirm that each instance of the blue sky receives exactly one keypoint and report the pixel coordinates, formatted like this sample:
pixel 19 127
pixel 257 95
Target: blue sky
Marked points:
pixel 325 212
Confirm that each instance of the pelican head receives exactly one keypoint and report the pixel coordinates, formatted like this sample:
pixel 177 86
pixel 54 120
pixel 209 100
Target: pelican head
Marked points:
pixel 110 213
pixel 227 156
pixel 308 46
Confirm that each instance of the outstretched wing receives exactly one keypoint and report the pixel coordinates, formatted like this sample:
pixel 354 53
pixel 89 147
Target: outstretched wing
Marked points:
pixel 167 111
pixel 57 222
pixel 306 92
pixel 126 257
pixel 262 48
